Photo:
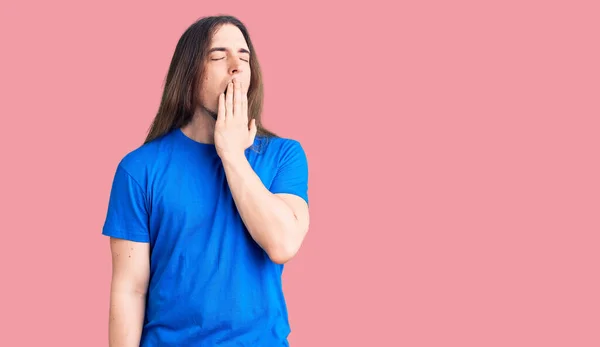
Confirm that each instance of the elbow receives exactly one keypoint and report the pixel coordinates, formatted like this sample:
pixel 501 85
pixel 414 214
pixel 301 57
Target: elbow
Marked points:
pixel 282 252
pixel 286 245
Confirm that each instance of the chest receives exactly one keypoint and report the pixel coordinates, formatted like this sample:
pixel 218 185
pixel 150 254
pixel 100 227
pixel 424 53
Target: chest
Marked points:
pixel 190 198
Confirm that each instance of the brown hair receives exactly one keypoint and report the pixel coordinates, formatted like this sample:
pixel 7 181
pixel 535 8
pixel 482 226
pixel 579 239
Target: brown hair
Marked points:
pixel 180 96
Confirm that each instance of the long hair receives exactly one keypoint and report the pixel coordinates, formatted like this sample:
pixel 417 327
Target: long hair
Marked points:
pixel 180 95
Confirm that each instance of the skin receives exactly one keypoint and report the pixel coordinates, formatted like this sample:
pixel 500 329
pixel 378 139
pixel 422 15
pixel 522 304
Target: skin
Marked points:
pixel 130 274
pixel 226 61
pixel 277 222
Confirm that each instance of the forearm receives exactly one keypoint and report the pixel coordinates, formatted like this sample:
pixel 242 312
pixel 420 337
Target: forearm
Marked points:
pixel 126 318
pixel 269 220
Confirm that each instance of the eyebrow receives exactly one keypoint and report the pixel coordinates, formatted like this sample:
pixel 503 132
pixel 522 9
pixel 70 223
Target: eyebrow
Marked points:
pixel 223 49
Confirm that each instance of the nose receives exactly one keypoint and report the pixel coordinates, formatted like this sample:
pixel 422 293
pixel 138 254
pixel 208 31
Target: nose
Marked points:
pixel 235 67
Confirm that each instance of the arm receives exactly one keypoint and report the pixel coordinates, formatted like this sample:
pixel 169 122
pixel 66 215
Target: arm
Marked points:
pixel 277 222
pixel 130 272
pixel 127 226
pixel 276 218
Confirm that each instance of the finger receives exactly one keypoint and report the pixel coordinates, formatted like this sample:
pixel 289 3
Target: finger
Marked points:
pixel 245 108
pixel 229 102
pixel 237 99
pixel 221 109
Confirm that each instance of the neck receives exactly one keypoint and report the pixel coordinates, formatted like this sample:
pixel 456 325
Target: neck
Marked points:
pixel 201 128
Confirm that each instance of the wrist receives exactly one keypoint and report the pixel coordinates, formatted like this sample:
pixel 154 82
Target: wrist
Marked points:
pixel 235 158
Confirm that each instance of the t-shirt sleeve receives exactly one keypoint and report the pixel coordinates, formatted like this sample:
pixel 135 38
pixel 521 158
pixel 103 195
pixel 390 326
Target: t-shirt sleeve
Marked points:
pixel 127 215
pixel 292 172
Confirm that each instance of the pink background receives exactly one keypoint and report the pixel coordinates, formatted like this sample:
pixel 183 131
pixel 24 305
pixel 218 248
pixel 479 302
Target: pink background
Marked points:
pixel 453 149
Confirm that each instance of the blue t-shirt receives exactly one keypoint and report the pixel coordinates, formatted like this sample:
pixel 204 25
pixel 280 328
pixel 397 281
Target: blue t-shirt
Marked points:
pixel 210 283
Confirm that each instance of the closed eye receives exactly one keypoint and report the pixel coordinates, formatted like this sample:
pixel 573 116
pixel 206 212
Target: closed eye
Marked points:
pixel 215 59
pixel 243 51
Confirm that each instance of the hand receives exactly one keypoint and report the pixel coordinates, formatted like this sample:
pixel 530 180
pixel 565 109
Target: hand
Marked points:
pixel 233 134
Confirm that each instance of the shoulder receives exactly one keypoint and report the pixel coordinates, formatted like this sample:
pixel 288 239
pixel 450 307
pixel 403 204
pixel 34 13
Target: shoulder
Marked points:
pixel 289 167
pixel 279 148
pixel 139 161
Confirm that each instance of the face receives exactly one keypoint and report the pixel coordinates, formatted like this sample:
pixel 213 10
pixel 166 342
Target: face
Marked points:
pixel 228 58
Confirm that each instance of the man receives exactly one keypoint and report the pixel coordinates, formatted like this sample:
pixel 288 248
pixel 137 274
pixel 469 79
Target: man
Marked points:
pixel 203 215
